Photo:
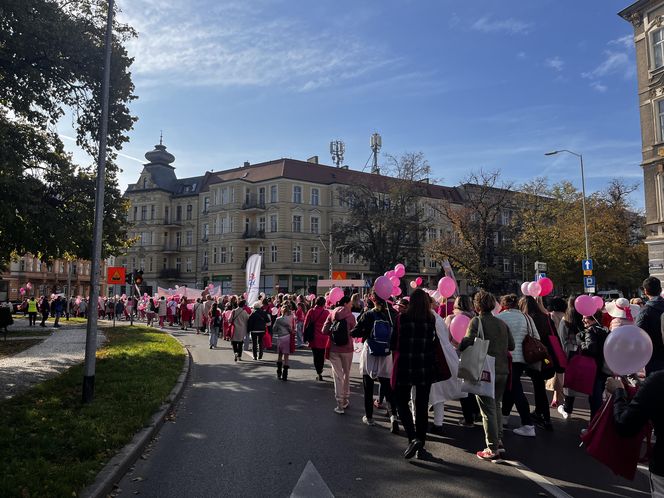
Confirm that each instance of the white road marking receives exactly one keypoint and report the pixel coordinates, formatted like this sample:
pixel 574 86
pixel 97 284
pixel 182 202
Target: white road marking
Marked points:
pixel 311 484
pixel 538 479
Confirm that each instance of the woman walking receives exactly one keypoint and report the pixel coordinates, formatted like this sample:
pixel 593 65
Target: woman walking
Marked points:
pixel 570 326
pixel 375 327
pixel 414 344
pixel 520 325
pixel 198 315
pixel 283 333
pixel 500 342
pixel 257 326
pixel 239 319
pixel 214 319
pixel 340 350
pixel 313 332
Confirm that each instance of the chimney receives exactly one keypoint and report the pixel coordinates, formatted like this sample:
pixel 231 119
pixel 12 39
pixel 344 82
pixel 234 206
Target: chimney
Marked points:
pixel 313 159
pixel 247 164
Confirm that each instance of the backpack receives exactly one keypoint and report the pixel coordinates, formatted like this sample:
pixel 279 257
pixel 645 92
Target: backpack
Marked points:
pixel 339 332
pixel 380 336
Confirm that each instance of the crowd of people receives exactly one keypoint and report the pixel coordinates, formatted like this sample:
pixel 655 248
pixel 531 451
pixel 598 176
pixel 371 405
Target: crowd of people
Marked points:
pixel 403 344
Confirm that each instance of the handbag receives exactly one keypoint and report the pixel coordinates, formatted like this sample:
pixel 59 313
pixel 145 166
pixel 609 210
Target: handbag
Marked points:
pixel 267 341
pixel 442 369
pixel 472 359
pixel 486 385
pixel 602 442
pixel 533 349
pixel 557 349
pixel 580 374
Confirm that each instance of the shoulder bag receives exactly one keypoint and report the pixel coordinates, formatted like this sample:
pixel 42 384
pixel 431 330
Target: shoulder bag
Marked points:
pixel 534 350
pixel 471 364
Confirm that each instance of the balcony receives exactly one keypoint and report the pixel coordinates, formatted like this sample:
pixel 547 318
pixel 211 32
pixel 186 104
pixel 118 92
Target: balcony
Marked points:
pixel 171 249
pixel 169 274
pixel 253 204
pixel 252 234
pixel 170 223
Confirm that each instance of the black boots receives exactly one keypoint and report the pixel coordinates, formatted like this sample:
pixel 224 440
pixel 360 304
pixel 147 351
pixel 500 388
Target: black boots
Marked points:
pixel 284 376
pixel 279 370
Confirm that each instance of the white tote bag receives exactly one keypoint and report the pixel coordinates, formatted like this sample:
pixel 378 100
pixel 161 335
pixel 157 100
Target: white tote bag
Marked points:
pixel 472 358
pixel 486 386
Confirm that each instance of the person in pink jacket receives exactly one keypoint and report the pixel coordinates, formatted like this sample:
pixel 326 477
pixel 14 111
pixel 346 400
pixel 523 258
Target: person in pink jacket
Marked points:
pixel 317 316
pixel 340 353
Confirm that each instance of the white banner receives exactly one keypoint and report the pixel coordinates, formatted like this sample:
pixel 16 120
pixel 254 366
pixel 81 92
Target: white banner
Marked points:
pixel 253 277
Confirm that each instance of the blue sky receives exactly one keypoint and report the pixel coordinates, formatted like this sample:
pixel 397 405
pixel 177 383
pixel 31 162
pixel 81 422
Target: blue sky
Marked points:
pixel 483 84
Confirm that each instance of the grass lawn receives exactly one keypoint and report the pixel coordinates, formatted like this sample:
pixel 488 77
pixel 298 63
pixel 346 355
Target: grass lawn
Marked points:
pixel 10 348
pixel 53 445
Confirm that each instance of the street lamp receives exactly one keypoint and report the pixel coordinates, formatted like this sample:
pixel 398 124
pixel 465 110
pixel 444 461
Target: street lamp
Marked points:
pixel 583 189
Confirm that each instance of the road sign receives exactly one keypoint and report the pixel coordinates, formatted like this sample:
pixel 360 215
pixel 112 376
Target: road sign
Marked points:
pixel 587 272
pixel 587 264
pixel 115 275
pixel 588 282
pixel 338 275
pixel 540 266
pixel 540 275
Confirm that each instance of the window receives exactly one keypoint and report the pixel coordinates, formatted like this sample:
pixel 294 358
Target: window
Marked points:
pixel 136 213
pixel 206 231
pixel 505 217
pixel 21 265
pixel 178 264
pixel 165 214
pixel 178 213
pixel 189 211
pixel 496 237
pixel 62 267
pixel 74 268
pixel 164 263
pixel 190 237
pixel 144 213
pixel 660 119
pixel 224 195
pixel 261 224
pixel 145 183
pixel 214 255
pixel 178 239
pixel 315 224
pixel 297 254
pixel 657 41
pixel 314 255
pixel 133 263
pixel 273 223
pixel 206 204
pixel 146 238
pixel 315 196
pixel 297 223
pixel 506 265
pixel 223 256
pixel 261 251
pixel 150 265
pixel 246 253
pixel 351 259
pixel 230 254
pixel 273 253
pixel 188 265
pixel 152 211
pixel 274 196
pixel 261 196
pixel 297 194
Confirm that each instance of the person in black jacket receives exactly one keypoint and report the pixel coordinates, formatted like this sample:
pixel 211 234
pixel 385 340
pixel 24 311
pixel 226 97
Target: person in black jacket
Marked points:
pixel 631 416
pixel 257 325
pixel 591 343
pixel 649 319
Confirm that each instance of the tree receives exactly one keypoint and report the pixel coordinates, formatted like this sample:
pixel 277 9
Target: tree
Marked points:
pixel 474 243
pixel 549 227
pixel 51 61
pixel 386 217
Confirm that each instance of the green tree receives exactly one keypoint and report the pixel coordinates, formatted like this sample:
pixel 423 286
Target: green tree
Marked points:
pixel 51 62
pixel 386 218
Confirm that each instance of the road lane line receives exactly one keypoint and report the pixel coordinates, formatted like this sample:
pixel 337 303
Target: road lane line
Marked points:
pixel 538 479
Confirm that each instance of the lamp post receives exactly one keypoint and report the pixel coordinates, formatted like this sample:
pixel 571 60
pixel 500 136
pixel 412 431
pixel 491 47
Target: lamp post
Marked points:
pixel 583 189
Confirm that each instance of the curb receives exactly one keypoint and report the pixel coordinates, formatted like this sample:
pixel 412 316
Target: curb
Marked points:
pixel 118 466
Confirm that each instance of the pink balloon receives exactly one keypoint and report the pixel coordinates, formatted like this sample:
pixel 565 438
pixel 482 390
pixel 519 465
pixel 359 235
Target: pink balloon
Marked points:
pixel 418 281
pixel 459 326
pixel 389 273
pixel 396 291
pixel 534 289
pixel 436 295
pixel 585 306
pixel 547 286
pixel 22 290
pixel 311 297
pixel 383 287
pixel 599 303
pixel 28 286
pixel 627 349
pixel 446 286
pixel 413 284
pixel 395 281
pixel 399 270
pixel 211 286
pixel 336 294
pixel 524 288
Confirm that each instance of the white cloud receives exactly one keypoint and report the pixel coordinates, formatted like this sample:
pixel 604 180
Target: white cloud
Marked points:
pixel 597 85
pixel 235 44
pixel 555 63
pixel 512 26
pixel 521 55
pixel 626 42
pixel 614 62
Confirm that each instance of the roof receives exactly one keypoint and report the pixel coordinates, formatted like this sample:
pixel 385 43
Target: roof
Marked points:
pixel 635 7
pixel 321 174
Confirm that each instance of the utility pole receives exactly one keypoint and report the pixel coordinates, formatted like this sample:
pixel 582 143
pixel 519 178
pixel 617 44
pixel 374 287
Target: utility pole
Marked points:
pixel 337 150
pixel 91 331
pixel 375 143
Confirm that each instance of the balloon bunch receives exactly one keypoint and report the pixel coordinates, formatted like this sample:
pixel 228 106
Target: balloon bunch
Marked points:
pixel 416 283
pixel 390 283
pixel 539 288
pixel 22 291
pixel 588 305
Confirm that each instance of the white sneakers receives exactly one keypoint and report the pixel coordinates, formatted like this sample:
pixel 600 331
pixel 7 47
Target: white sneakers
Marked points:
pixel 368 421
pixel 561 410
pixel 339 410
pixel 525 430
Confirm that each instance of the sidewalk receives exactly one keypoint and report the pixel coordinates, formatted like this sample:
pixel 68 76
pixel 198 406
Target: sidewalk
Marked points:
pixel 62 349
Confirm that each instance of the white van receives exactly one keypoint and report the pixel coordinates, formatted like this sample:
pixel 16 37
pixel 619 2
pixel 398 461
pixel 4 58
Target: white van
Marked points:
pixel 610 295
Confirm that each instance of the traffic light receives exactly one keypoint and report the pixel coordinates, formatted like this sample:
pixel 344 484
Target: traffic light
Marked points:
pixel 129 278
pixel 138 278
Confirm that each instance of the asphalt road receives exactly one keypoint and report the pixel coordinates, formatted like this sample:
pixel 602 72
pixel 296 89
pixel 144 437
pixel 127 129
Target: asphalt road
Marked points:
pixel 238 431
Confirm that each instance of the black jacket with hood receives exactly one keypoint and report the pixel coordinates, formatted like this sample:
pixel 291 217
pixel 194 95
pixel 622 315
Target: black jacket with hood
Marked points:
pixel 649 319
